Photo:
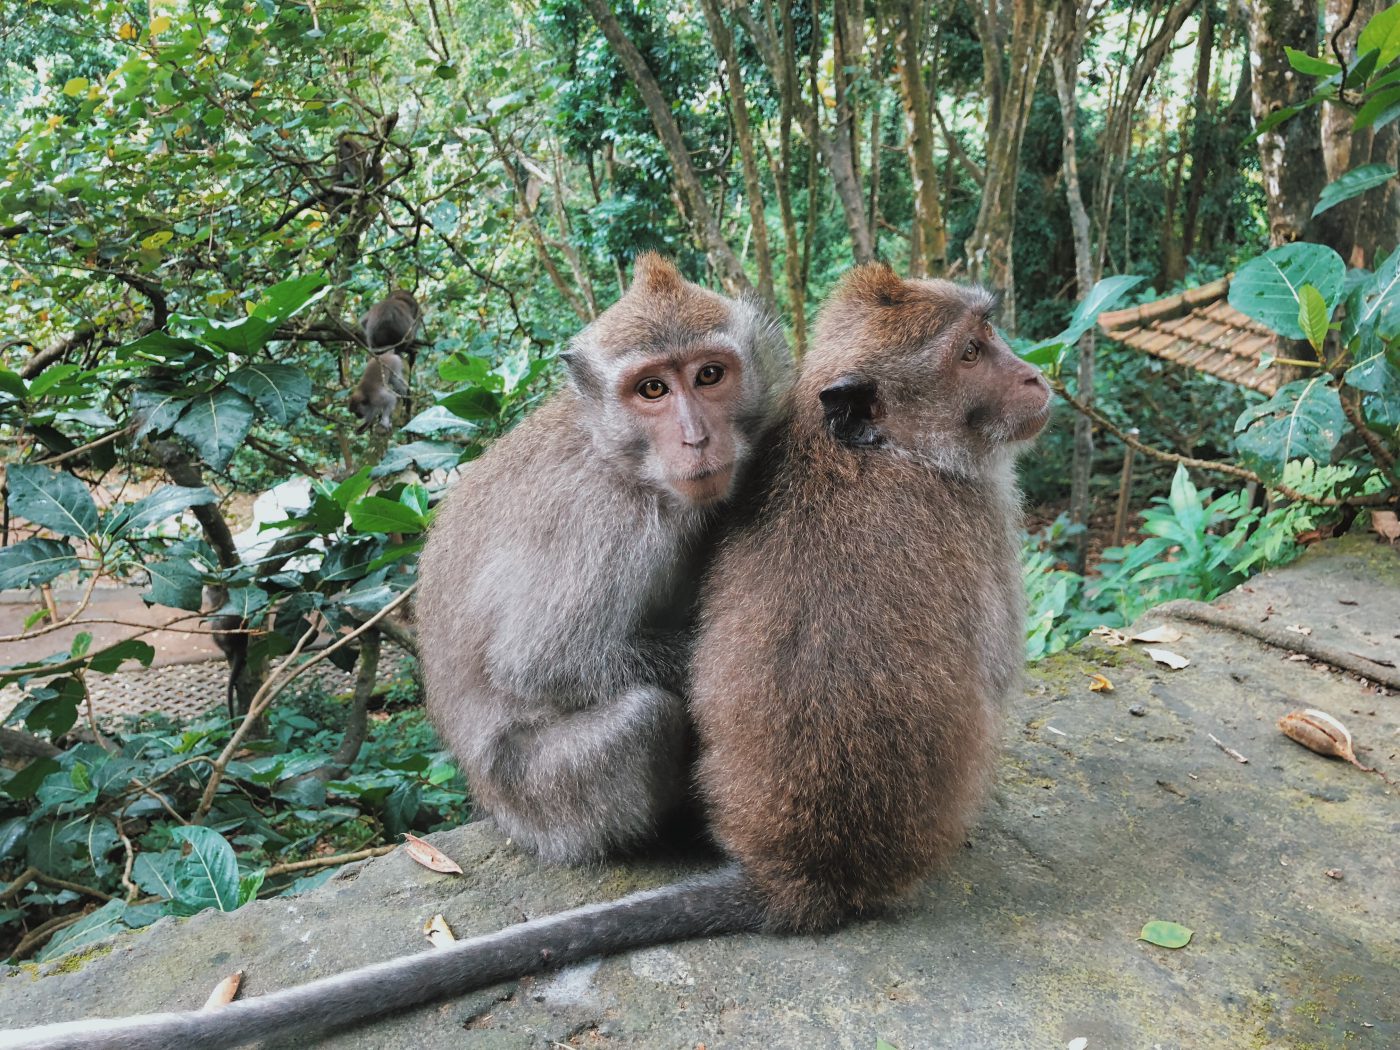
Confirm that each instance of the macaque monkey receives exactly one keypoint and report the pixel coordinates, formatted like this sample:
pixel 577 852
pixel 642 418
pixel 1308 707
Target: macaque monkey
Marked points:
pixel 861 629
pixel 377 393
pixel 390 323
pixel 355 164
pixel 557 586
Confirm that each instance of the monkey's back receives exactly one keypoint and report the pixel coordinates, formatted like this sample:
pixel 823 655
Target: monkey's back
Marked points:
pixel 858 637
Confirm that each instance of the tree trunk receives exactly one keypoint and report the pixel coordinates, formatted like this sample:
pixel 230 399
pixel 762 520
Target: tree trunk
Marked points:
pixel 743 134
pixel 928 251
pixel 1202 139
pixel 1290 154
pixel 686 181
pixel 1019 31
pixel 1064 64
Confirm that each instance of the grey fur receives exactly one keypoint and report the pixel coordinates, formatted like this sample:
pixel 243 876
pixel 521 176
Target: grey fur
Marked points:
pixel 557 586
pixel 377 393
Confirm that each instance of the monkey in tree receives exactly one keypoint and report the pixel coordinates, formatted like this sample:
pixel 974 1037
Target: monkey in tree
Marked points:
pixel 377 394
pixel 861 629
pixel 391 323
pixel 356 164
pixel 229 635
pixel 557 585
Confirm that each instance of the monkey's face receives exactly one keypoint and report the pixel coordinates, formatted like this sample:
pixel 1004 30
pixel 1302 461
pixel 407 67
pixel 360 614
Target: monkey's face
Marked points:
pixel 685 404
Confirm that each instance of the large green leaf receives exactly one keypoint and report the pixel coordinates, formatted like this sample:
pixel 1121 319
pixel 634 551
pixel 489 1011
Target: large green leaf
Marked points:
pixel 208 876
pixel 1374 304
pixel 1308 65
pixel 216 424
pixel 1304 420
pixel 55 500
pixel 101 924
pixel 377 514
pixel 35 561
pixel 288 298
pixel 1103 295
pixel 1353 184
pixel 1378 110
pixel 1313 316
pixel 158 410
pixel 423 456
pixel 1376 372
pixel 161 504
pixel 242 338
pixel 1382 34
pixel 1268 288
pixel 176 583
pixel 282 391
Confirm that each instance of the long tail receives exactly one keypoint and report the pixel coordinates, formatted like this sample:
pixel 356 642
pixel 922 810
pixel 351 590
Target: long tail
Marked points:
pixel 721 903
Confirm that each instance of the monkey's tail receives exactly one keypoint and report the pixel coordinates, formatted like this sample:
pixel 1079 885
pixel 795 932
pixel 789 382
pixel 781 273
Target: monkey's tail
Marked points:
pixel 721 903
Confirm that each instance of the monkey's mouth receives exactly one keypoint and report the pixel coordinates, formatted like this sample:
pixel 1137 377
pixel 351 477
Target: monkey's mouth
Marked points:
pixel 705 486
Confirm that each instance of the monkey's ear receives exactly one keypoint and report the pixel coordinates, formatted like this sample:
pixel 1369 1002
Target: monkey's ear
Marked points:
pixel 852 407
pixel 655 274
pixel 582 375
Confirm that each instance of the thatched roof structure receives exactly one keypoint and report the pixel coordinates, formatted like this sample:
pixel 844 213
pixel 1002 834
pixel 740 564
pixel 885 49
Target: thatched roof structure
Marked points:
pixel 1200 329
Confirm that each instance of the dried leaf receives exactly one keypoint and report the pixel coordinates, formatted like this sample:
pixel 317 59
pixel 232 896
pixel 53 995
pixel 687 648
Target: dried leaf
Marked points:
pixel 1297 629
pixel 429 855
pixel 1228 750
pixel 1099 684
pixel 1109 635
pixel 1387 524
pixel 439 934
pixel 1318 731
pixel 224 991
pixel 1165 633
pixel 1169 658
pixel 1166 934
pixel 1334 873
pixel 1077 1043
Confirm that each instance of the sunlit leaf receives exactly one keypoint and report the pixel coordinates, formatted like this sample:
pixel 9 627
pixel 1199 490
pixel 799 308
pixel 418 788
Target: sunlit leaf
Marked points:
pixel 1268 288
pixel 1304 420
pixel 1166 934
pixel 1353 184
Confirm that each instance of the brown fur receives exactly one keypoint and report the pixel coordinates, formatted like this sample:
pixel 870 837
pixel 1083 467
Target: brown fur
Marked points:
pixel 392 321
pixel 862 629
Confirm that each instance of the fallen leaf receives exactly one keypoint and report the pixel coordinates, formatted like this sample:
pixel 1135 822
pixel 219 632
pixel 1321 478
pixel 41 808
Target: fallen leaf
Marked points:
pixel 1334 873
pixel 1099 684
pixel 1166 656
pixel 1166 934
pixel 1164 633
pixel 1387 524
pixel 1298 629
pixel 1318 731
pixel 1109 635
pixel 1079 1043
pixel 1300 658
pixel 224 991
pixel 1057 732
pixel 429 855
pixel 439 934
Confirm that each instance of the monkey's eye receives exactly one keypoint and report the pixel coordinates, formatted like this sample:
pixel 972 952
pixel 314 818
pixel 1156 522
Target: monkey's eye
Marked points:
pixel 710 375
pixel 971 353
pixel 652 389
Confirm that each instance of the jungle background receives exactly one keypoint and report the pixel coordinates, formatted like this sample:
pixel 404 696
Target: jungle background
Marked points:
pixel 197 203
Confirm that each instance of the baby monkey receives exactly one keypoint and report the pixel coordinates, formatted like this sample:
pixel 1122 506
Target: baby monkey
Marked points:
pixel 861 629
pixel 377 393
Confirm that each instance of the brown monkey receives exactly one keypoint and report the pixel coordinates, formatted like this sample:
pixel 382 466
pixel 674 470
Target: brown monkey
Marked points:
pixel 391 322
pixel 861 629
pixel 355 164
pixel 377 393
pixel 557 585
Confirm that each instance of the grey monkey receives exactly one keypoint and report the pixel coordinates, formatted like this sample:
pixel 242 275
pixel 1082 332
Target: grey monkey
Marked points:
pixel 377 393
pixel 558 581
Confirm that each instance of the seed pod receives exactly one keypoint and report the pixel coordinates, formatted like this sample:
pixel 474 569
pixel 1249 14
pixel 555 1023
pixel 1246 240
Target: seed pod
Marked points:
pixel 1318 731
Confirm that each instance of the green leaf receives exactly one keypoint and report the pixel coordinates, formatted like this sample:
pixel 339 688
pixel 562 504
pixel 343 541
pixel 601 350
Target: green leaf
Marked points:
pixel 352 488
pixel 158 411
pixel 12 384
pixel 880 1044
pixel 377 514
pixel 1382 34
pixel 242 338
pixel 1353 184
pixel 35 561
pixel 250 884
pixel 1375 303
pixel 1378 110
pixel 175 583
pixel 208 875
pixel 164 503
pixel 425 456
pixel 107 660
pixel 75 87
pixel 1304 420
pixel 473 404
pixel 281 391
pixel 55 500
pixel 1268 288
pixel 101 924
pixel 26 782
pixel 243 602
pixel 287 299
pixel 1104 294
pixel 216 424
pixel 1313 316
pixel 1166 934
pixel 1310 66
pixel 1274 119
pixel 1377 375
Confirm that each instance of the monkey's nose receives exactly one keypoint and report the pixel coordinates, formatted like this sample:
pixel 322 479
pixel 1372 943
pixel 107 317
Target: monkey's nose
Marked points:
pixel 696 441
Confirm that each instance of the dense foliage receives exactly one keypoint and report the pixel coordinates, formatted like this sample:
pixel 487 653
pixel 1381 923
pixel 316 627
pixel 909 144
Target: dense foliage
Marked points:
pixel 196 202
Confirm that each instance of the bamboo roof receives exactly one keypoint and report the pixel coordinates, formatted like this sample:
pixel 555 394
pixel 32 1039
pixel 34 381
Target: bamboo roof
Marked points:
pixel 1200 329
